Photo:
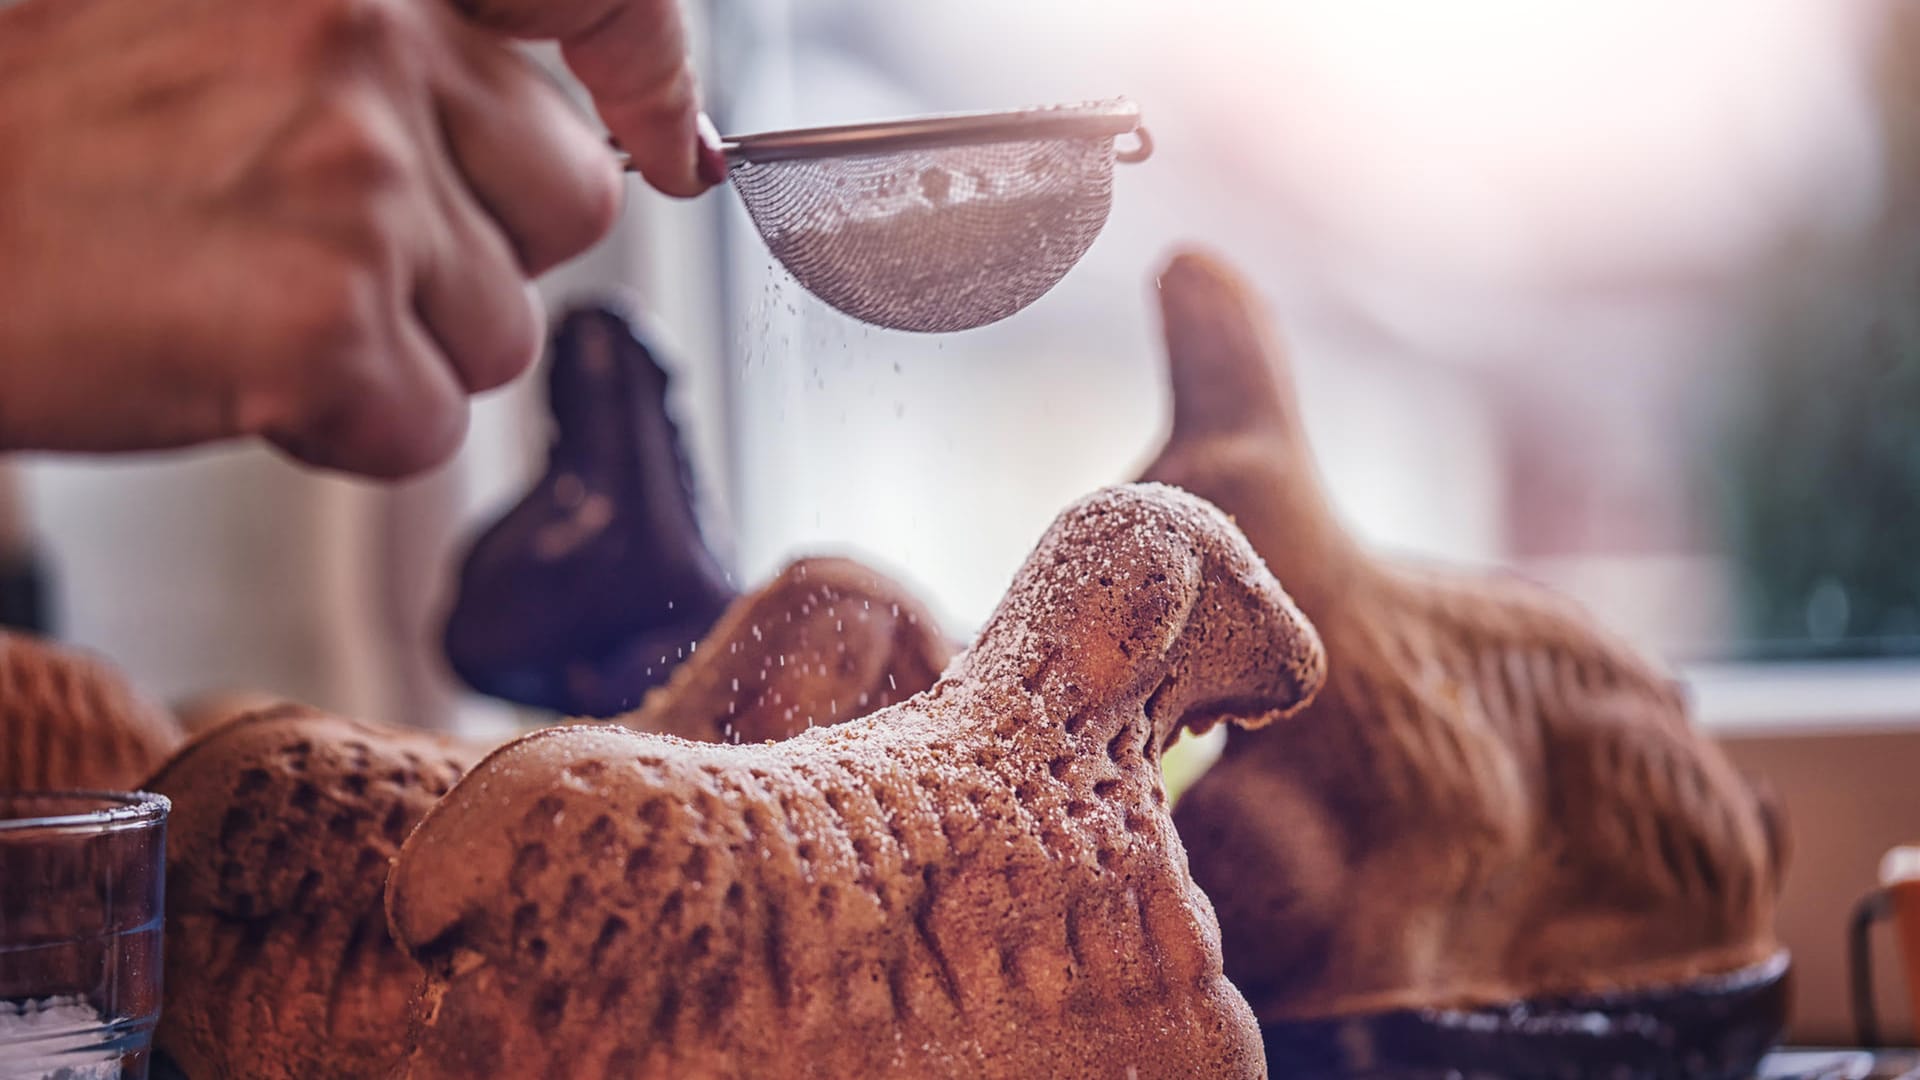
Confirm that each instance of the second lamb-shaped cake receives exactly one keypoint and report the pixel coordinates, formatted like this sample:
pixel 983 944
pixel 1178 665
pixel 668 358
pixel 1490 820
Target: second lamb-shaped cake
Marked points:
pixel 982 881
pixel 1492 800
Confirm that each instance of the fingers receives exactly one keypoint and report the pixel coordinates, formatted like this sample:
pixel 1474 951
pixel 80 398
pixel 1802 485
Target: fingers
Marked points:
pixel 505 181
pixel 529 157
pixel 405 411
pixel 635 64
pixel 472 299
pixel 632 56
pixel 452 174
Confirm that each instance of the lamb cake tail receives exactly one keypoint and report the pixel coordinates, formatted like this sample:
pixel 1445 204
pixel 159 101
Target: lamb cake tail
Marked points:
pixel 1227 642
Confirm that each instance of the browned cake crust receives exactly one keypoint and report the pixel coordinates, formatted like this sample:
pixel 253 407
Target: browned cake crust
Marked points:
pixel 1491 799
pixel 825 641
pixel 980 882
pixel 70 721
pixel 278 960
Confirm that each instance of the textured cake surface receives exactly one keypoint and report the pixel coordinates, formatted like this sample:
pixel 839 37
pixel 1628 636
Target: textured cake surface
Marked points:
pixel 981 881
pixel 1491 799
pixel 70 721
pixel 825 641
pixel 278 959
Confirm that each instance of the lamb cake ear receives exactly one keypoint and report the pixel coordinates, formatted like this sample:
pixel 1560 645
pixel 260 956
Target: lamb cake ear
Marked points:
pixel 1477 736
pixel 826 640
pixel 980 881
pixel 278 960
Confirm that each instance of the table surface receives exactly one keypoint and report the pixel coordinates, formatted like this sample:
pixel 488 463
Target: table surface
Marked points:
pixel 1840 1064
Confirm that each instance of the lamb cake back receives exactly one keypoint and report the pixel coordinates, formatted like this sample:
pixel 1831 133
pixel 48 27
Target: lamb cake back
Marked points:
pixel 981 881
pixel 1492 799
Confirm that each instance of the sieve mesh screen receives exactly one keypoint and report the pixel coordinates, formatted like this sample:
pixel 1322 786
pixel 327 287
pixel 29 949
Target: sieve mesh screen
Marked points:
pixel 933 240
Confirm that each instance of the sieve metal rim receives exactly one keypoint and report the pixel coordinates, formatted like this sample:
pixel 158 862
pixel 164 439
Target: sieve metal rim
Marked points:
pixel 1103 119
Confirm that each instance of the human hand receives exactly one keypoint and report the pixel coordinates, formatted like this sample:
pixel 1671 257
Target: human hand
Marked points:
pixel 632 56
pixel 310 220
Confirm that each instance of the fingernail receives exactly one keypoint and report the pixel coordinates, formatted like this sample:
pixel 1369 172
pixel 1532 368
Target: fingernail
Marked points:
pixel 712 160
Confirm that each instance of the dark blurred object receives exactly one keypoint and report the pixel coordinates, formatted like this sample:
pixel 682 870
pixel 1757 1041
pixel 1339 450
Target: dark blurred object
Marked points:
pixel 23 573
pixel 590 590
pixel 1823 508
pixel 23 592
pixel 1718 1028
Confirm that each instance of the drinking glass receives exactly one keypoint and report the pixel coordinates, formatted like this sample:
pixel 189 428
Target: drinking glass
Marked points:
pixel 82 875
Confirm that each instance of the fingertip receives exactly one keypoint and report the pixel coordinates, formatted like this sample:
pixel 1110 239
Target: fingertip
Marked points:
pixel 396 455
pixel 665 148
pixel 678 176
pixel 373 439
pixel 513 346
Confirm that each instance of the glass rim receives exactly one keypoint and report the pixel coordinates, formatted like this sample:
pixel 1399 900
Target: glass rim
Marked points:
pixel 121 810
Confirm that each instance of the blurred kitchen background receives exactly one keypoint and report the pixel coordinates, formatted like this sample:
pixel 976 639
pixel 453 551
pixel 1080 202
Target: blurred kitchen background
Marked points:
pixel 1622 295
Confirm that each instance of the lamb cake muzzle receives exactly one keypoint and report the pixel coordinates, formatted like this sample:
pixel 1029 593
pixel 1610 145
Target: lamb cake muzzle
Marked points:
pixel 1492 801
pixel 279 965
pixel 981 881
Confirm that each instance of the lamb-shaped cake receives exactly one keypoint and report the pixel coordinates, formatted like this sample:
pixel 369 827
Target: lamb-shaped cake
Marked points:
pixel 588 591
pixel 279 964
pixel 825 641
pixel 1491 800
pixel 69 721
pixel 981 881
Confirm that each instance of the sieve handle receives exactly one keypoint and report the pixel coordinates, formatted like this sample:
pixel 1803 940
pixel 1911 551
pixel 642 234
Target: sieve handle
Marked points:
pixel 1107 119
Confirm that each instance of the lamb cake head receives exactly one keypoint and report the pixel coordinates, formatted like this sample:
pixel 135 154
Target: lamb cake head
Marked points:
pixel 279 964
pixel 825 641
pixel 71 721
pixel 1492 799
pixel 981 881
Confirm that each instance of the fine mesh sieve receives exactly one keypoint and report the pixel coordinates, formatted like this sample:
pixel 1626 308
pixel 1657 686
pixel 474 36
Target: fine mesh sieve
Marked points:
pixel 936 224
